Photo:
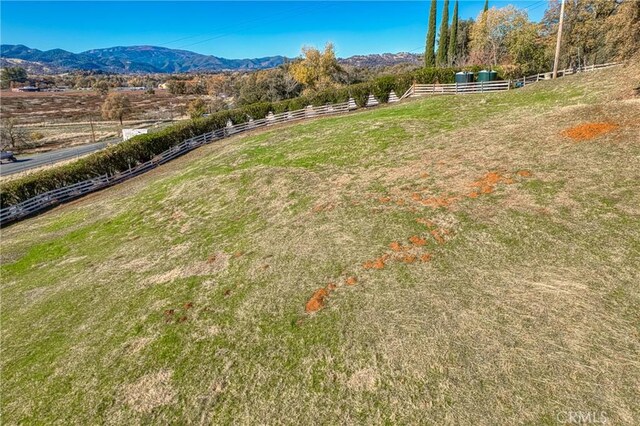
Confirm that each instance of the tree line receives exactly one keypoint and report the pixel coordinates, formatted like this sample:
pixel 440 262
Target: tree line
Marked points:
pixel 595 31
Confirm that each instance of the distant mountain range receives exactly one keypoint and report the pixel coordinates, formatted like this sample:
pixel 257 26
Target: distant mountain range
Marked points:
pixel 153 59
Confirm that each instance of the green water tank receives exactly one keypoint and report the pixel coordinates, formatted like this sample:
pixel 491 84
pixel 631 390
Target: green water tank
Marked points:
pixel 464 77
pixel 485 75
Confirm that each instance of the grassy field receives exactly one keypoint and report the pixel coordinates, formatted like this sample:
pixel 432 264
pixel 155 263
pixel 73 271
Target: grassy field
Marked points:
pixel 471 263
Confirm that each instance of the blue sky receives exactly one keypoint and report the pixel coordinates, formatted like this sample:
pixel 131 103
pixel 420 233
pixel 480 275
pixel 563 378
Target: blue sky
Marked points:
pixel 231 29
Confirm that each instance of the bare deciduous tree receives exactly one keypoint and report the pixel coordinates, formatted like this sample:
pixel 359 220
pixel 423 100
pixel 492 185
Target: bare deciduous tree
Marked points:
pixel 115 107
pixel 11 136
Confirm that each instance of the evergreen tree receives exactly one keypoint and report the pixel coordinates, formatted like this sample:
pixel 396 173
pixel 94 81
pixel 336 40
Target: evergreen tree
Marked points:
pixel 486 5
pixel 453 35
pixel 443 40
pixel 429 55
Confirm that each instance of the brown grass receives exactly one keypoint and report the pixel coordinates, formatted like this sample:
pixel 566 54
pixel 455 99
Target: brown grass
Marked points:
pixel 149 392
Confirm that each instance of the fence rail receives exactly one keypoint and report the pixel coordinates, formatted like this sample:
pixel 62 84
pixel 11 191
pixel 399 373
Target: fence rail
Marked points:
pixel 492 86
pixel 57 196
pixel 561 73
pixel 458 88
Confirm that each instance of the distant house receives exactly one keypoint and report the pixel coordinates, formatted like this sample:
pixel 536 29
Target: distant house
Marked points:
pixel 26 89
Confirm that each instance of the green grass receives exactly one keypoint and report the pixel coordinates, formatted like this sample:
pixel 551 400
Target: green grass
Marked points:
pixel 530 307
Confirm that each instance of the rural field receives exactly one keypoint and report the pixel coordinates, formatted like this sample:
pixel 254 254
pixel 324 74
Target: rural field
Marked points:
pixel 447 260
pixel 51 120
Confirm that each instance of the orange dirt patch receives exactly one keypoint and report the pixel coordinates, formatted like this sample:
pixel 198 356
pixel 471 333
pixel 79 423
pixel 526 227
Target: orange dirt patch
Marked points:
pixel 524 173
pixel 487 184
pixel 410 258
pixel 588 131
pixel 417 241
pixel 317 300
pixel 351 281
pixel 376 263
pixel 396 246
pixel 188 305
pixel 416 197
pixel 424 175
pixel 384 199
pixel 425 257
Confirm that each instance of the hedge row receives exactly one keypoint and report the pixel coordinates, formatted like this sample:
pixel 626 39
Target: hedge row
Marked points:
pixel 143 148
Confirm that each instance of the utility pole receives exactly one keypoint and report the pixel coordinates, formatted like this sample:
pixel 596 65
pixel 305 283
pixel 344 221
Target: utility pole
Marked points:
pixel 558 42
pixel 93 133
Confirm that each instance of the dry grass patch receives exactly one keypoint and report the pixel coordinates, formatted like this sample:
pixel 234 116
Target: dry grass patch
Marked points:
pixel 150 392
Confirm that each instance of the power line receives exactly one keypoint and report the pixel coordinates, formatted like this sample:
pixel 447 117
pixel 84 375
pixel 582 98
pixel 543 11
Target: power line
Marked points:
pixel 244 25
pixel 536 6
pixel 225 28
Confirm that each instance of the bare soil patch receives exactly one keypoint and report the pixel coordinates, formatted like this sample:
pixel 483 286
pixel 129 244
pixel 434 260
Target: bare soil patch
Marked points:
pixel 588 131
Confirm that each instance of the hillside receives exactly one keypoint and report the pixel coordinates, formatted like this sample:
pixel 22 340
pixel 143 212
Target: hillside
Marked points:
pixel 452 260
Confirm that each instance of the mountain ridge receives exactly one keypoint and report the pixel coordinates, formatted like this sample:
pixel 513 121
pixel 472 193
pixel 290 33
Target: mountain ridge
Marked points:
pixel 144 59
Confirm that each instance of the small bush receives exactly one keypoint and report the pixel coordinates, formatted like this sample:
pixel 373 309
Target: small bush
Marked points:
pixel 36 136
pixel 360 93
pixel 382 86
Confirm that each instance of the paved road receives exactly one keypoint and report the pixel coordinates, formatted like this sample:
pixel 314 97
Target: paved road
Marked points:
pixel 30 161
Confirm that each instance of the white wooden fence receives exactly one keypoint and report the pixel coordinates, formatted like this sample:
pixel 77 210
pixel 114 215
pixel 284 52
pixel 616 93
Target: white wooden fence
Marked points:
pixel 561 73
pixel 491 86
pixel 456 88
pixel 57 196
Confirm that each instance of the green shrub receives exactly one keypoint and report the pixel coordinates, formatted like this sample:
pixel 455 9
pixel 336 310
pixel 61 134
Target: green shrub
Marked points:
pixel 382 86
pixel 435 75
pixel 402 83
pixel 258 110
pixel 360 93
pixel 36 136
pixel 298 103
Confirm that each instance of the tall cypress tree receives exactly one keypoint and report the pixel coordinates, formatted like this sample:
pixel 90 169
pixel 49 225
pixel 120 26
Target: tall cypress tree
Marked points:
pixel 429 56
pixel 443 41
pixel 486 5
pixel 453 36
